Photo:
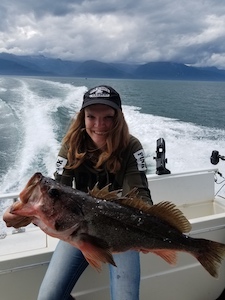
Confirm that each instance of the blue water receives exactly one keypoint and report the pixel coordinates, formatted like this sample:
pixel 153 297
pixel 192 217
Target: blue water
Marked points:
pixel 35 114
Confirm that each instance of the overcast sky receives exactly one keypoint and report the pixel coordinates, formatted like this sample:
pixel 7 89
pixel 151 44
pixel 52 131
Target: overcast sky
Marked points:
pixel 135 31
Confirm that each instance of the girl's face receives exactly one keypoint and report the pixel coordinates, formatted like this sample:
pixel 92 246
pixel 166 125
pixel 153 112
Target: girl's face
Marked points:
pixel 99 122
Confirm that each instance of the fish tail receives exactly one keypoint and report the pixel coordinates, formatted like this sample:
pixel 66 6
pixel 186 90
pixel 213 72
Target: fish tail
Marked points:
pixel 211 256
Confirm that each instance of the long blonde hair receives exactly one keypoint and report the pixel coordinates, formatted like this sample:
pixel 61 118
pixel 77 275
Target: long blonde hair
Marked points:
pixel 81 147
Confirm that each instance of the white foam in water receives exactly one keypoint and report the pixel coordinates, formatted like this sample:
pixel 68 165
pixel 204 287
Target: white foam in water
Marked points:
pixel 39 145
pixel 188 146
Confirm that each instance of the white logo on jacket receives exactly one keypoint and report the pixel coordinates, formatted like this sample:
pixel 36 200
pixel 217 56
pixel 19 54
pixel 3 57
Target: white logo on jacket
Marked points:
pixel 140 158
pixel 60 164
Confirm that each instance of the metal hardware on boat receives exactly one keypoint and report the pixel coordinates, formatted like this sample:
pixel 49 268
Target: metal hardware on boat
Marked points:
pixel 215 157
pixel 160 158
pixel 18 230
pixel 3 235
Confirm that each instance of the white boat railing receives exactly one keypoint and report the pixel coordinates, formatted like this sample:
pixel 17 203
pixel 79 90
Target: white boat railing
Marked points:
pixel 14 196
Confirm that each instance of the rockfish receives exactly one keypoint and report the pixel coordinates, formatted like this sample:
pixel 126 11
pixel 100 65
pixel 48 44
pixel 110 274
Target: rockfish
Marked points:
pixel 100 223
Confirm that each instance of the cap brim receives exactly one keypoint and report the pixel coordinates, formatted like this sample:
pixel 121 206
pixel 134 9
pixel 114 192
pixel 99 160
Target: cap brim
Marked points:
pixel 101 101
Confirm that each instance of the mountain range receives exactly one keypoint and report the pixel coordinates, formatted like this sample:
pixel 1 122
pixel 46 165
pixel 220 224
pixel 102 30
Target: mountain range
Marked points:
pixel 11 64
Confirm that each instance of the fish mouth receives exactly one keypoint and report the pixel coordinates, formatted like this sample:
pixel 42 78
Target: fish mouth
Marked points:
pixel 30 187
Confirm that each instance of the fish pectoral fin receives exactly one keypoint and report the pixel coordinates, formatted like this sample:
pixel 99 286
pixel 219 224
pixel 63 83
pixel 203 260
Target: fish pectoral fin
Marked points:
pixel 170 256
pixel 96 251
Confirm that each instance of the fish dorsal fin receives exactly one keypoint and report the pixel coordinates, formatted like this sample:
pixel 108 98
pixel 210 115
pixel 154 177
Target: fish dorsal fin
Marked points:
pixel 104 193
pixel 133 200
pixel 168 212
pixel 165 210
pixel 130 199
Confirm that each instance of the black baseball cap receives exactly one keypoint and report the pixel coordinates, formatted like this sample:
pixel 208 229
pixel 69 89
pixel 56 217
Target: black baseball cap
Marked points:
pixel 102 94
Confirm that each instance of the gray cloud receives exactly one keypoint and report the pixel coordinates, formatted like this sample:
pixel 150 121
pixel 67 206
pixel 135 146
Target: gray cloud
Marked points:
pixel 191 32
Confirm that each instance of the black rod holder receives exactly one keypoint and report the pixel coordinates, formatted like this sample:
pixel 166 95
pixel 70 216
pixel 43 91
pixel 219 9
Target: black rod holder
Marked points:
pixel 160 158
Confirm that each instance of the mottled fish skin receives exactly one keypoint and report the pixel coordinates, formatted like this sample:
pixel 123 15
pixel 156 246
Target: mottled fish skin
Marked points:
pixel 100 223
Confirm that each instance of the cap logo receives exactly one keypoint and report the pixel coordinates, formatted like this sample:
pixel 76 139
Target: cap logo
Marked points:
pixel 100 91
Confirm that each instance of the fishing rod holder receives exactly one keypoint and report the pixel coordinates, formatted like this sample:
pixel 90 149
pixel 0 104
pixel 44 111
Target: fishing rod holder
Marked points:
pixel 160 158
pixel 215 157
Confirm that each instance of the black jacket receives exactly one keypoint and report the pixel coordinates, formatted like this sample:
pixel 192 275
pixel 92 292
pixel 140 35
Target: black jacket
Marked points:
pixel 131 174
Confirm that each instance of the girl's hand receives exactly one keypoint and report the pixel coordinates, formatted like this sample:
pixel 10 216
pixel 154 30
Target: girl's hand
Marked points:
pixel 15 221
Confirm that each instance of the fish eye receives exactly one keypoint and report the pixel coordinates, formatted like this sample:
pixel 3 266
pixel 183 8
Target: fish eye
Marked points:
pixel 53 192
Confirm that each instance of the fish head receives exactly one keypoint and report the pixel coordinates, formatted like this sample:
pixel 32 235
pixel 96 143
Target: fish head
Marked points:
pixel 50 203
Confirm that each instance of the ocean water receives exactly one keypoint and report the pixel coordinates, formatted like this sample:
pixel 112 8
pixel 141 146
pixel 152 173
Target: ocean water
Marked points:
pixel 36 112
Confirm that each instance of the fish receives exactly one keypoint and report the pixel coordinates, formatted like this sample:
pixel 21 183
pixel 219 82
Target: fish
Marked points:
pixel 102 222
